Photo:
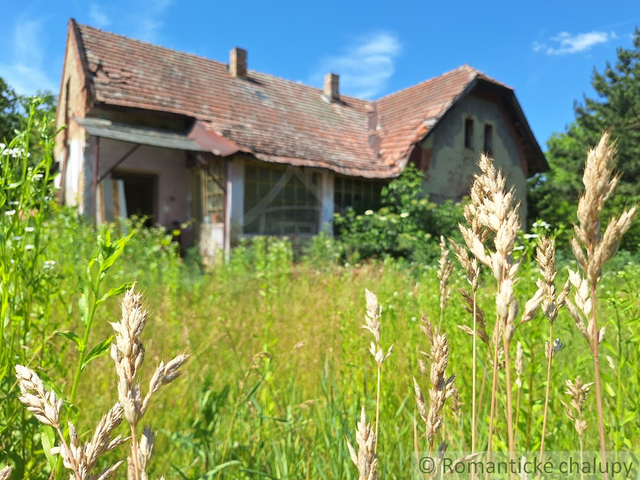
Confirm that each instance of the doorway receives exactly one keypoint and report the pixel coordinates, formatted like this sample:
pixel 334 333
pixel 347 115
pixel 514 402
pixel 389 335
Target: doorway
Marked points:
pixel 140 192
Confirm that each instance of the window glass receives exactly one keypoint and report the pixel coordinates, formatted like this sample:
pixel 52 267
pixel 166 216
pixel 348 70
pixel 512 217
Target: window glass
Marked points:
pixel 281 200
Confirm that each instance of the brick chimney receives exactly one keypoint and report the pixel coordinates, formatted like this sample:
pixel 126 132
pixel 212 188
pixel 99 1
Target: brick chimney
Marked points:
pixel 331 87
pixel 238 62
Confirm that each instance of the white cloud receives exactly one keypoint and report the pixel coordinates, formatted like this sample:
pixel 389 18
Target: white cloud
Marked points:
pixel 98 16
pixel 25 72
pixel 365 66
pixel 566 43
pixel 151 19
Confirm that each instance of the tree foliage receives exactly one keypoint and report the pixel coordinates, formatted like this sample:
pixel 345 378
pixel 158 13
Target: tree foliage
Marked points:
pixel 14 110
pixel 553 195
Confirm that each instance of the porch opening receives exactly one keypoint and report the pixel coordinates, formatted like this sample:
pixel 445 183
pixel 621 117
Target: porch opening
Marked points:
pixel 140 192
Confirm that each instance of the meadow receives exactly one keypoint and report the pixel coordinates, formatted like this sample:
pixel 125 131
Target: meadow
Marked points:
pixel 278 366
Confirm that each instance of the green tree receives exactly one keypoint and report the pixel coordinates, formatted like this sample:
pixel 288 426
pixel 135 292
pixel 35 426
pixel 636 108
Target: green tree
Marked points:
pixel 553 195
pixel 14 111
pixel 11 115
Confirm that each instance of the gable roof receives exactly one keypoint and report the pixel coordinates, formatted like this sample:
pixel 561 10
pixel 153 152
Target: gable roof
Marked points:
pixel 273 119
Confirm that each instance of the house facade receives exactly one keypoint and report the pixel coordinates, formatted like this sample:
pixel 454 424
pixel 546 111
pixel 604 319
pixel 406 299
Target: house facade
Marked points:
pixel 222 152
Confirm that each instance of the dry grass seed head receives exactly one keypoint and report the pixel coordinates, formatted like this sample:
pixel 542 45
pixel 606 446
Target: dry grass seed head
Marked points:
pixel 442 387
pixel 128 355
pixel 365 459
pixel 578 392
pixel 519 364
pixel 599 183
pixel 479 316
pixel 445 268
pixel 5 473
pixel 372 316
pixel 470 265
pixel 43 404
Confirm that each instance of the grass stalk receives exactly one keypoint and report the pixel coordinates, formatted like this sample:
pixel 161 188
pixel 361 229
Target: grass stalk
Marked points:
pixel 596 366
pixel 474 420
pixel 494 384
pixel 546 395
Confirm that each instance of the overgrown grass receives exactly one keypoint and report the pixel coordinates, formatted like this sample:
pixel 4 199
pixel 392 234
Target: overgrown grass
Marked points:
pixel 279 368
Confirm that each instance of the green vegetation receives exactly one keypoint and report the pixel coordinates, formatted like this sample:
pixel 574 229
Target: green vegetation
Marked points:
pixel 554 194
pixel 407 226
pixel 279 367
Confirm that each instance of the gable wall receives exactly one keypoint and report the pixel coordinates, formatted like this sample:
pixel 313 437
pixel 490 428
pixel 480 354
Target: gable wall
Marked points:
pixel 71 142
pixel 451 165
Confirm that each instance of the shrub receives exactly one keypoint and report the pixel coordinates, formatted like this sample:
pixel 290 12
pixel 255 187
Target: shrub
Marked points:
pixel 408 224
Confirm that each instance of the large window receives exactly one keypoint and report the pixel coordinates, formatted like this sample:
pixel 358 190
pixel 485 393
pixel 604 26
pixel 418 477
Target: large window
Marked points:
pixel 281 200
pixel 358 193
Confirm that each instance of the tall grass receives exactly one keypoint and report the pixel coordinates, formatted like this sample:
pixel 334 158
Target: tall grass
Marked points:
pixel 279 371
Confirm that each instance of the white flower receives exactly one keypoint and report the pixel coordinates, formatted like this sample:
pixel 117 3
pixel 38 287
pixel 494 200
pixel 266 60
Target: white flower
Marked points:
pixel 369 212
pixel 404 214
pixel 49 263
pixel 14 203
pixel 29 247
pixel 529 236
pixel 10 213
pixel 29 229
pixel 2 146
pixel 519 247
pixel 37 176
pixel 17 238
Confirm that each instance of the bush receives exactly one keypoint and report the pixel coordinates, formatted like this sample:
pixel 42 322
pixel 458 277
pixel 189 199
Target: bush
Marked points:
pixel 407 226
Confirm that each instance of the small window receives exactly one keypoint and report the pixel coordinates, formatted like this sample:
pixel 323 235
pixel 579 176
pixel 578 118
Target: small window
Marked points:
pixel 468 133
pixel 488 139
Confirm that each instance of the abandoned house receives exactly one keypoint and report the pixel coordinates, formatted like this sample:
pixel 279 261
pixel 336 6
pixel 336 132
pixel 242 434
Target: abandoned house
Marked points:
pixel 224 152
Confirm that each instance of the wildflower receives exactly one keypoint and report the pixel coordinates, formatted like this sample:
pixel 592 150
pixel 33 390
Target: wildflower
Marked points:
pixel 529 236
pixel 49 263
pixel 37 176
pixel 14 202
pixel 404 214
pixel 29 247
pixel 17 238
pixel 519 247
pixel 10 213
pixel 29 229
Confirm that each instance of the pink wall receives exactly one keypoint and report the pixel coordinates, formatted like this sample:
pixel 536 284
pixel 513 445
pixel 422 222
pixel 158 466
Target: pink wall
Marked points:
pixel 174 178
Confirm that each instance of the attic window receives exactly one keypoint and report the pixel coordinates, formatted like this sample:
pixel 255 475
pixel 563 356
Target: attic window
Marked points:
pixel 468 133
pixel 488 139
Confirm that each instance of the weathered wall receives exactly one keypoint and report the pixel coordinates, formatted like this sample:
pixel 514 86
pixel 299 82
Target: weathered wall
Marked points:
pixel 174 178
pixel 451 166
pixel 70 143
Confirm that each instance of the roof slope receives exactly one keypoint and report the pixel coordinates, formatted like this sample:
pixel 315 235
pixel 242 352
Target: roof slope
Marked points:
pixel 274 119
pixel 406 116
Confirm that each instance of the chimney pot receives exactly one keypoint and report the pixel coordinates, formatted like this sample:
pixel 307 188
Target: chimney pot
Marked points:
pixel 238 62
pixel 331 87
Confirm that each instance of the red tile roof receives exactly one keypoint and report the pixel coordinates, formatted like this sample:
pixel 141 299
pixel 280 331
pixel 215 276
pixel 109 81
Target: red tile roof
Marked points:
pixel 275 120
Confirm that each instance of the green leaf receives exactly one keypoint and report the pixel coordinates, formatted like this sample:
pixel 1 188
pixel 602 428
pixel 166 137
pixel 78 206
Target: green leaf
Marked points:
pixel 97 351
pixel 115 291
pixel 48 439
pixel 217 468
pixel 74 338
pixel 609 390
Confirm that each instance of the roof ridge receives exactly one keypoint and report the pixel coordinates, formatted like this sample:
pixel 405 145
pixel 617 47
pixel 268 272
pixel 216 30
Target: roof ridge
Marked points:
pixel 200 57
pixel 464 66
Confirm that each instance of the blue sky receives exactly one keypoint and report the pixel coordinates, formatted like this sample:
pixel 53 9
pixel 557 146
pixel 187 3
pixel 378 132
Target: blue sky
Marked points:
pixel 546 50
